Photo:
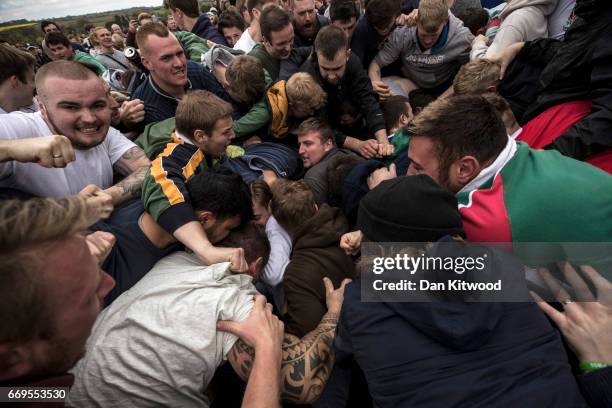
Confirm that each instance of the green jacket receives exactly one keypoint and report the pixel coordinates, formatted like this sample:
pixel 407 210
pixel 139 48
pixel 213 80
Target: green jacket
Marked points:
pixel 81 56
pixel 194 46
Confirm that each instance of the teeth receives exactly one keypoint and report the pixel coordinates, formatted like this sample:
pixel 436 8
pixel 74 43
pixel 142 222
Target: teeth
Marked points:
pixel 88 130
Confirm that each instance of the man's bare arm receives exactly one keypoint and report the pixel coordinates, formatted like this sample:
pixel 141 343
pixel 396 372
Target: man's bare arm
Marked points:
pixel 306 364
pixel 133 164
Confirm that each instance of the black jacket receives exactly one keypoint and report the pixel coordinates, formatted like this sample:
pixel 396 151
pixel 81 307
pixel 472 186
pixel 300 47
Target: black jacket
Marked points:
pixel 355 86
pixel 456 354
pixel 549 72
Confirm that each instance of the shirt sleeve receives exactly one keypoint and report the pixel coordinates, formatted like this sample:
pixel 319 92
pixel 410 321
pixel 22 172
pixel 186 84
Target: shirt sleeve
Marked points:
pixel 164 190
pixel 118 144
pixel 280 244
pixel 393 47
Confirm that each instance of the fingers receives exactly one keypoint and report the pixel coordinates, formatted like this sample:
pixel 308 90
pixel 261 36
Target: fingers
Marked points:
pixel 344 283
pixel 601 283
pixel 369 149
pixel 583 293
pixel 229 327
pixel 551 312
pixel 555 287
pixel 237 261
pixel 329 286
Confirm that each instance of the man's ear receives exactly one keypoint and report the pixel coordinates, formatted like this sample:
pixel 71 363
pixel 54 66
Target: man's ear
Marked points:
pixel 481 31
pixel 466 169
pixel 15 361
pixel 348 54
pixel 41 107
pixel 491 88
pixel 255 267
pixel 199 136
pixel 205 217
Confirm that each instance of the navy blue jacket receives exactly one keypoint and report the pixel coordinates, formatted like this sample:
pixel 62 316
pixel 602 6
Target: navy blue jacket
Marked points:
pixel 160 106
pixel 204 28
pixel 451 354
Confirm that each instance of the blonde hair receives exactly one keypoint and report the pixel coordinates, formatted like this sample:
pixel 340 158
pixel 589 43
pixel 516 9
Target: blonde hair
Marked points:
pixel 29 230
pixel 476 76
pixel 303 90
pixel 432 13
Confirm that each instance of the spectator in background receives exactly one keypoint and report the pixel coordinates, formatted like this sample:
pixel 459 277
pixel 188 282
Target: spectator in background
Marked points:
pixel 144 18
pixel 118 42
pixel 108 55
pixel 171 24
pixel 48 26
pixel 60 49
pixel 187 15
pixel 116 29
pixel 213 16
pixel 306 22
pixel 17 85
pixel 344 14
pixel 231 26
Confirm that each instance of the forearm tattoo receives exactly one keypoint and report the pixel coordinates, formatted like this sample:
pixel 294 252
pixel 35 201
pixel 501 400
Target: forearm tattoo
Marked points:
pixel 306 365
pixel 131 186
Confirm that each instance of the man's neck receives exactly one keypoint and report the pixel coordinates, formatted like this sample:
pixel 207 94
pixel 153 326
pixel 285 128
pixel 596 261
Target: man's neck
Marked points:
pixel 175 91
pixel 255 31
pixel 109 50
pixel 189 22
pixel 6 103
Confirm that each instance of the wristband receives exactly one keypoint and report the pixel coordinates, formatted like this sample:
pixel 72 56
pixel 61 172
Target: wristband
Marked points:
pixel 590 366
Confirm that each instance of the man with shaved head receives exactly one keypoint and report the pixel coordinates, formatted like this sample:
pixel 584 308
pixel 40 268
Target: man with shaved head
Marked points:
pixel 69 145
pixel 171 75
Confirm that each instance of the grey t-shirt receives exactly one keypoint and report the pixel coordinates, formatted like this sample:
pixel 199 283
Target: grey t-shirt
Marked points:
pixel 157 344
pixel 425 69
pixel 113 60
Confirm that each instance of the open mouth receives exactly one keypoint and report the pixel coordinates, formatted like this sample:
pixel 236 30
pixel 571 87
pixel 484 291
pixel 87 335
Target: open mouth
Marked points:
pixel 89 130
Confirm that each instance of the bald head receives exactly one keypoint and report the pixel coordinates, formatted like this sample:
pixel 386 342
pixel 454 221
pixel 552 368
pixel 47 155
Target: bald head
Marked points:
pixel 65 70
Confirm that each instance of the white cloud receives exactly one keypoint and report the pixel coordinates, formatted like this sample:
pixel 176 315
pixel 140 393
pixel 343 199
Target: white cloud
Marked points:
pixel 32 10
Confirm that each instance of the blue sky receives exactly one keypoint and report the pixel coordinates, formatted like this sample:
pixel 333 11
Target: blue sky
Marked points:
pixel 37 9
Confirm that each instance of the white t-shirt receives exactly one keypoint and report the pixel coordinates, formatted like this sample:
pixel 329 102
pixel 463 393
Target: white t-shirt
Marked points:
pixel 157 344
pixel 245 42
pixel 91 166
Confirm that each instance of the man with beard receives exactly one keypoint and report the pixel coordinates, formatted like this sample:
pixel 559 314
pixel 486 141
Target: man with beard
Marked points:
pixel 306 22
pixel 72 137
pixel 277 34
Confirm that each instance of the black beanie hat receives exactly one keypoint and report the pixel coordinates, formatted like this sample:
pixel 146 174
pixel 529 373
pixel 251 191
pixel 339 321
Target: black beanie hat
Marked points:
pixel 409 209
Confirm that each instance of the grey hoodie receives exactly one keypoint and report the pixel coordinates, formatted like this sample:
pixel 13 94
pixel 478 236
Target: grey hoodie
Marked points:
pixel 522 20
pixel 425 69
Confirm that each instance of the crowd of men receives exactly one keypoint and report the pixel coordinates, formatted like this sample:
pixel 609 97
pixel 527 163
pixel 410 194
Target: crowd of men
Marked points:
pixel 183 203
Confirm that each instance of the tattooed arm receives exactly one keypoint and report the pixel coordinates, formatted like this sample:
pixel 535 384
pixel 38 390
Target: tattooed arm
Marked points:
pixel 306 362
pixel 133 164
